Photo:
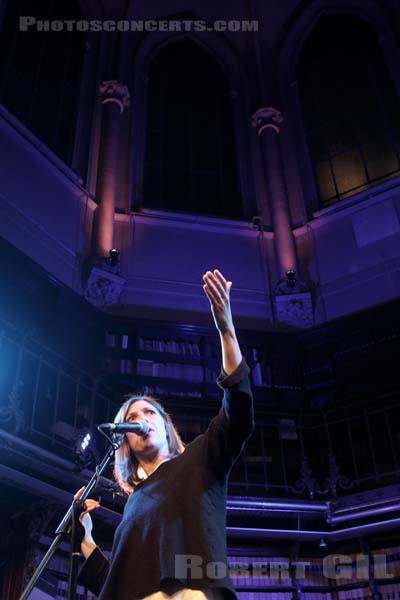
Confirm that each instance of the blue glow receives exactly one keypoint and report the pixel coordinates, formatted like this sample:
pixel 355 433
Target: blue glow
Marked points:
pixel 85 441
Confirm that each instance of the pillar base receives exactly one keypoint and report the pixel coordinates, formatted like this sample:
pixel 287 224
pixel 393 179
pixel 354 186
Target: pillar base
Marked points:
pixel 293 308
pixel 102 287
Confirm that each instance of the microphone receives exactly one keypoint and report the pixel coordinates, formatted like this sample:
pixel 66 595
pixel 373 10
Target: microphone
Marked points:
pixel 138 427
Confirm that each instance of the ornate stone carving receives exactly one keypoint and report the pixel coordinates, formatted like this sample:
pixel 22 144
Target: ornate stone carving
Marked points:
pixel 290 286
pixel 335 478
pixel 267 118
pixel 11 415
pixel 294 309
pixel 103 288
pixel 307 482
pixel 113 91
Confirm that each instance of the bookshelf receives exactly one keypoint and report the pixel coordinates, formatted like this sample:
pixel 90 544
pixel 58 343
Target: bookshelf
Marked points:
pixel 168 356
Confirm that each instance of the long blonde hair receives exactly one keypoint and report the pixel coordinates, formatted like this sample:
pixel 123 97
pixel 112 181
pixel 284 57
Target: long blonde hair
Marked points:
pixel 126 464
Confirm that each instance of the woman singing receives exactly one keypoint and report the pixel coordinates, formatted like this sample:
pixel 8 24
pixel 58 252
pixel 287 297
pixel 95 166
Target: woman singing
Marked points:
pixel 171 541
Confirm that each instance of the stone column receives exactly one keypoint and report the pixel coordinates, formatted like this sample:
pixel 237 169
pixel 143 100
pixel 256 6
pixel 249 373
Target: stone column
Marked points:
pixel 114 98
pixel 102 283
pixel 293 306
pixel 267 123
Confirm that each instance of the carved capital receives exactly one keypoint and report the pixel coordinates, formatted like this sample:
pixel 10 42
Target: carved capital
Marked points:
pixel 113 91
pixel 267 118
pixel 103 288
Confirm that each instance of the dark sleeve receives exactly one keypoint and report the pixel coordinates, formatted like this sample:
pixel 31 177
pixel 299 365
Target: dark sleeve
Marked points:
pixel 93 572
pixel 229 430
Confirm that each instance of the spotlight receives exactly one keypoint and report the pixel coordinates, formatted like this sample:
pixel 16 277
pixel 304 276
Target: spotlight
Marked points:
pixel 85 442
pixel 322 543
pixel 291 278
pixel 113 257
pixel 84 450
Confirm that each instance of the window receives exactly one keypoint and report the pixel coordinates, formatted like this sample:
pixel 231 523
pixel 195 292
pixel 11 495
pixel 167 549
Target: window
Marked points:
pixel 40 72
pixel 190 162
pixel 350 108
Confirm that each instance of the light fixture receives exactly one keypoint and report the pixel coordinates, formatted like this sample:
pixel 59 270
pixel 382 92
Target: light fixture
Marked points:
pixel 291 277
pixel 83 450
pixel 322 543
pixel 113 257
pixel 85 442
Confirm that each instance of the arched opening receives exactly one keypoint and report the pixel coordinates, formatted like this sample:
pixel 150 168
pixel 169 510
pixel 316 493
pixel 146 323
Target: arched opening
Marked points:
pixel 350 108
pixel 41 70
pixel 190 158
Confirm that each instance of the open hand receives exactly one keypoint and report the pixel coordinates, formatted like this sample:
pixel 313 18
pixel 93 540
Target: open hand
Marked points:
pixel 217 289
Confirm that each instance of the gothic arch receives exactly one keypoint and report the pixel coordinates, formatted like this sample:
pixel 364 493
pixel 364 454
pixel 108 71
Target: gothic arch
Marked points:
pixel 293 37
pixel 224 54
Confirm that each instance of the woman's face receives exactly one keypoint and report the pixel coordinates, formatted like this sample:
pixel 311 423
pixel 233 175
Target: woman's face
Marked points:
pixel 155 442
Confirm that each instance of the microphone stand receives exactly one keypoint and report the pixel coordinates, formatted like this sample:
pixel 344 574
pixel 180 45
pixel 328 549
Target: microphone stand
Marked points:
pixel 64 529
pixel 75 550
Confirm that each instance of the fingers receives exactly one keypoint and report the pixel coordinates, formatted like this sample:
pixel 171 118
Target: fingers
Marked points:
pixel 211 296
pixel 214 288
pixel 220 277
pixel 217 284
pixel 90 505
pixel 79 493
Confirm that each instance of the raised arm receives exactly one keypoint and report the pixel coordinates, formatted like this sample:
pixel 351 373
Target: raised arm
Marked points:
pixel 234 423
pixel 217 289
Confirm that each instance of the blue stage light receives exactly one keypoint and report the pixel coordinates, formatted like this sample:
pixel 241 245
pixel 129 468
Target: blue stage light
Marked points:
pixel 86 441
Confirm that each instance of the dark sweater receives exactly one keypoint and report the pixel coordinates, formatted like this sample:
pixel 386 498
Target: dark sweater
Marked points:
pixel 180 509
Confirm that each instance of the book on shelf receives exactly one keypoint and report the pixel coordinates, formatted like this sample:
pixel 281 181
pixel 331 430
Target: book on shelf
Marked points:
pixel 171 346
pixel 261 374
pixel 257 375
pixel 210 375
pixel 126 366
pixel 119 365
pixel 150 368
pixel 144 367
pixel 117 340
pixel 111 340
